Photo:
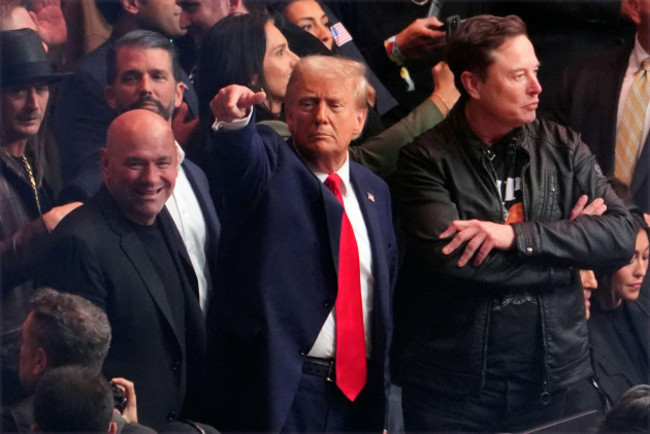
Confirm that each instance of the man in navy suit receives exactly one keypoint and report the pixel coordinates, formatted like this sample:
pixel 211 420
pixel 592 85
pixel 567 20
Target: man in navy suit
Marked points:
pixel 276 364
pixel 592 97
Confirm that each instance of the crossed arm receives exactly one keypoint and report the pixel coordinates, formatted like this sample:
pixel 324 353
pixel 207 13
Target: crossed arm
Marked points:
pixel 484 236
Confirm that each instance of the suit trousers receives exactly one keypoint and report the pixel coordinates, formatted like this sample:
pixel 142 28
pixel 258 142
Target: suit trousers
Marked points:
pixel 320 406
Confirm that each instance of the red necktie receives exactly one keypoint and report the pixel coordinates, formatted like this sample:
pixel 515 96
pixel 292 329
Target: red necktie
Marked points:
pixel 350 337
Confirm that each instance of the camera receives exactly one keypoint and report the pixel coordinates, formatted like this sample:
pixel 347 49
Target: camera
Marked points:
pixel 119 398
pixel 451 24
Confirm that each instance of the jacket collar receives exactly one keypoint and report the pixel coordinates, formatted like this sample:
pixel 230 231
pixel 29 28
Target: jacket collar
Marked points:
pixel 476 147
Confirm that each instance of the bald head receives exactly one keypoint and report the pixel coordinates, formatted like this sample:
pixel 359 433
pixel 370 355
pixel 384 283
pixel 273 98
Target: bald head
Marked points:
pixel 140 164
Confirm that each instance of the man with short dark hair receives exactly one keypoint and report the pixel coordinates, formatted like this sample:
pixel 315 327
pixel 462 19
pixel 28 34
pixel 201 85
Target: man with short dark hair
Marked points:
pixel 490 323
pixel 302 321
pixel 61 329
pixel 73 399
pixel 82 115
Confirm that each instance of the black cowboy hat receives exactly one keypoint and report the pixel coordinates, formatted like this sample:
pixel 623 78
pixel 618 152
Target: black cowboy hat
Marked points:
pixel 24 60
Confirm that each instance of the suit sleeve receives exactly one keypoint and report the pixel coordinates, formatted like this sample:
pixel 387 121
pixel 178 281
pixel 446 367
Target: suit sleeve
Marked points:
pixel 245 162
pixel 72 267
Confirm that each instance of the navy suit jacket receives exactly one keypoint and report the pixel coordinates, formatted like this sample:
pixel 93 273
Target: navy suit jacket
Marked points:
pixel 588 103
pixel 277 272
pixel 97 254
pixel 82 117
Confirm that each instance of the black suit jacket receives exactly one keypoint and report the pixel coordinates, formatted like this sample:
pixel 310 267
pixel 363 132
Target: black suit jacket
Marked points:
pixel 588 103
pixel 615 370
pixel 97 254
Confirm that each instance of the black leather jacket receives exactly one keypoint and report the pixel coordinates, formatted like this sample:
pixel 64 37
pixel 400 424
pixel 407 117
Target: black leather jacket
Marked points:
pixel 443 311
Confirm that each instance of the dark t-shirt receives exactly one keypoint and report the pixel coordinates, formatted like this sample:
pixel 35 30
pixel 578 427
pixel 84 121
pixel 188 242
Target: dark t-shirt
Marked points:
pixel 514 334
pixel 157 248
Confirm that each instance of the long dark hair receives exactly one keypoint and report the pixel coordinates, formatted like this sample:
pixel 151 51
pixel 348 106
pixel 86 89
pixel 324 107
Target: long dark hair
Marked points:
pixel 232 53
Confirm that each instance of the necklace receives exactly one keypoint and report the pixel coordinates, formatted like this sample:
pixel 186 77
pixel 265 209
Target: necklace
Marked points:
pixel 32 181
pixel 419 2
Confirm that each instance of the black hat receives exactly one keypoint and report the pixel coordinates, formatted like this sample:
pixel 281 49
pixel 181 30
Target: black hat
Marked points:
pixel 24 60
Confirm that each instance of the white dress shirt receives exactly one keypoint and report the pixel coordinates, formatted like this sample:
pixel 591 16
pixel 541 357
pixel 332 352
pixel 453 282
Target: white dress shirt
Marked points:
pixel 325 345
pixel 187 215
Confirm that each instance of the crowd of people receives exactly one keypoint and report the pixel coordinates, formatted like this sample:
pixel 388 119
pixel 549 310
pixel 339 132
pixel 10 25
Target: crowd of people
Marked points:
pixel 305 216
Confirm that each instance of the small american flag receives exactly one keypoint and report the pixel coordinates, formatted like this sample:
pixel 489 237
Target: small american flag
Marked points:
pixel 371 197
pixel 340 34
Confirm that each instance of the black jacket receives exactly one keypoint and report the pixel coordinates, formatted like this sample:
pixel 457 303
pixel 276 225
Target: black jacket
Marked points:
pixel 443 311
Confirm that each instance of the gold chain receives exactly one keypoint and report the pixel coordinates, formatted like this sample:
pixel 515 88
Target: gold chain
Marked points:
pixel 32 181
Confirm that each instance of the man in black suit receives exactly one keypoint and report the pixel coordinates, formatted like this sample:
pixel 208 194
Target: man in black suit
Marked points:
pixel 144 72
pixel 593 95
pixel 122 251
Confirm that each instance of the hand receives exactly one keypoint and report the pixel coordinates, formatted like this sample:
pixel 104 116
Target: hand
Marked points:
pixel 444 86
pixel 56 214
pixel 420 38
pixel 234 102
pixel 130 413
pixel 182 128
pixel 51 25
pixel 597 207
pixel 477 234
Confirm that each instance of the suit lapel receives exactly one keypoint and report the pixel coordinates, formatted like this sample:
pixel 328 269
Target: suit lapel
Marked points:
pixel 207 208
pixel 135 252
pixel 381 294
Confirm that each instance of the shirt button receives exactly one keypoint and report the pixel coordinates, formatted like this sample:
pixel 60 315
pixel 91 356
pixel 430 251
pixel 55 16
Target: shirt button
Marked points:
pixel 176 366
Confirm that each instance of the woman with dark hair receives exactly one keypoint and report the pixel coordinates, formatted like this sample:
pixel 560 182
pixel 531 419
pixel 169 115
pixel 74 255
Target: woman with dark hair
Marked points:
pixel 618 324
pixel 250 51
pixel 309 16
pixel 631 413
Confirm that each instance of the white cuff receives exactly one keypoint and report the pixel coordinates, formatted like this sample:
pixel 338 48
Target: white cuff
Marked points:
pixel 238 124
